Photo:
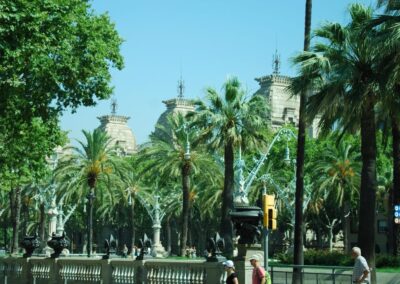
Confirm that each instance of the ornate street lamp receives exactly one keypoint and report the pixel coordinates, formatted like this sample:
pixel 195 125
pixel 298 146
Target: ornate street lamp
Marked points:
pixel 156 214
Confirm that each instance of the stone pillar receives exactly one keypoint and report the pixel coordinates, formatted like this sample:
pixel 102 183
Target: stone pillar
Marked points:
pixel 215 273
pixel 242 261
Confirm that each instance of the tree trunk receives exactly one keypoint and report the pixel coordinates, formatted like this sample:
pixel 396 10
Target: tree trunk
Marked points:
pixel 227 200
pixel 6 246
pixel 367 212
pixel 298 257
pixel 396 182
pixel 25 210
pixel 15 196
pixel 185 206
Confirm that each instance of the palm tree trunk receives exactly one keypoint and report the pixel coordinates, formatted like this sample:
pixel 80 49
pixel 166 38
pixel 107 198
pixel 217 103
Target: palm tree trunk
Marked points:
pixel 367 212
pixel 298 257
pixel 185 206
pixel 345 225
pixel 132 225
pixel 168 236
pixel 90 223
pixel 15 196
pixel 227 199
pixel 396 182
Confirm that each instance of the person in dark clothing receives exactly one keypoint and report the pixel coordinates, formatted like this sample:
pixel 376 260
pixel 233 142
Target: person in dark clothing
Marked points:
pixel 231 276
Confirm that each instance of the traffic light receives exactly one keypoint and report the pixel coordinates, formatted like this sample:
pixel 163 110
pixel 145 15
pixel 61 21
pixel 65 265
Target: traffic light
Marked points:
pixel 270 213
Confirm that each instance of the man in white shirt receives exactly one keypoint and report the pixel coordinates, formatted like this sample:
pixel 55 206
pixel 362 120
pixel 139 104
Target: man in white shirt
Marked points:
pixel 361 269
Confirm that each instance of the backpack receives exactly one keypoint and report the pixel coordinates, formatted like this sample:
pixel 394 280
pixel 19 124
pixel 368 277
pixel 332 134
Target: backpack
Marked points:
pixel 267 276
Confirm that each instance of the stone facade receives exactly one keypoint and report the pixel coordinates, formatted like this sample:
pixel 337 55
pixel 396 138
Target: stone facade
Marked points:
pixel 117 128
pixel 284 106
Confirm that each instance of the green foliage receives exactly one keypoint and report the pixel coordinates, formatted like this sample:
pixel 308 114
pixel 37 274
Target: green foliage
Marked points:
pixel 55 54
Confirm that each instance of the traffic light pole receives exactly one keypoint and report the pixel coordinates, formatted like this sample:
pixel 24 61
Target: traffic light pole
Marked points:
pixel 265 233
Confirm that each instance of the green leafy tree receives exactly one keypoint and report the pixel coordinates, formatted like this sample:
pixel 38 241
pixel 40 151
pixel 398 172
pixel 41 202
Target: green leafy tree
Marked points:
pixel 55 55
pixel 228 121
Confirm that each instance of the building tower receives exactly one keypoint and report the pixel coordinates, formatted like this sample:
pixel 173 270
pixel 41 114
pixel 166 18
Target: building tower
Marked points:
pixel 117 128
pixel 176 105
pixel 284 106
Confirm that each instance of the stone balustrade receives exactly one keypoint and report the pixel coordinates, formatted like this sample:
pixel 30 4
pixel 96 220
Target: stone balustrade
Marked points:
pixel 76 270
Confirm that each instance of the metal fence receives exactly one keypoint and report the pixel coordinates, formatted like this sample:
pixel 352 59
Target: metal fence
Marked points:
pixel 282 274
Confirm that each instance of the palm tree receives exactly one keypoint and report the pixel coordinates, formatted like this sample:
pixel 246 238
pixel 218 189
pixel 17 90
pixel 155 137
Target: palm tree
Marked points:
pixel 90 164
pixel 389 39
pixel 339 171
pixel 169 157
pixel 342 67
pixel 228 121
pixel 298 256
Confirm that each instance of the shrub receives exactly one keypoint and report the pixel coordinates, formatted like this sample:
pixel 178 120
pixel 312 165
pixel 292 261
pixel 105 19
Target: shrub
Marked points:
pixel 383 260
pixel 319 257
pixel 335 258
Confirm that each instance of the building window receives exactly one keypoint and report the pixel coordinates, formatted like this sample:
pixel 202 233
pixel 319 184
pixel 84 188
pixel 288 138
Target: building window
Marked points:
pixel 382 226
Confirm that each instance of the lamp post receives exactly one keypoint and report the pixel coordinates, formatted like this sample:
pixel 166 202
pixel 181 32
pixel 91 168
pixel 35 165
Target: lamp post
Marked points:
pixel 245 184
pixel 156 214
pixel 247 218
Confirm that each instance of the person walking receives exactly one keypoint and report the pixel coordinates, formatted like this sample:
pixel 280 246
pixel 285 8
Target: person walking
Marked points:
pixel 259 276
pixel 231 275
pixel 361 269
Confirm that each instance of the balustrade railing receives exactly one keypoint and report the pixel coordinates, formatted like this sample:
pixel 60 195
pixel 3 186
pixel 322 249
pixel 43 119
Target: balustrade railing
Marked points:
pixel 90 270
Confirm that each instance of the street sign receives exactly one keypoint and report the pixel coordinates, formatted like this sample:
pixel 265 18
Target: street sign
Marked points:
pixel 396 214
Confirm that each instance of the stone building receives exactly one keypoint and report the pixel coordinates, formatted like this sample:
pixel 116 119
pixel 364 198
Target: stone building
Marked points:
pixel 284 106
pixel 117 128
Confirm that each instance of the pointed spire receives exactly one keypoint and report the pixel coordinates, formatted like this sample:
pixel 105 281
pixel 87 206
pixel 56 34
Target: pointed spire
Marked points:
pixel 181 88
pixel 114 106
pixel 276 63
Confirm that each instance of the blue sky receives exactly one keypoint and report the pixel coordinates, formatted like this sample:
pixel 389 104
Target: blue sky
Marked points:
pixel 205 41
